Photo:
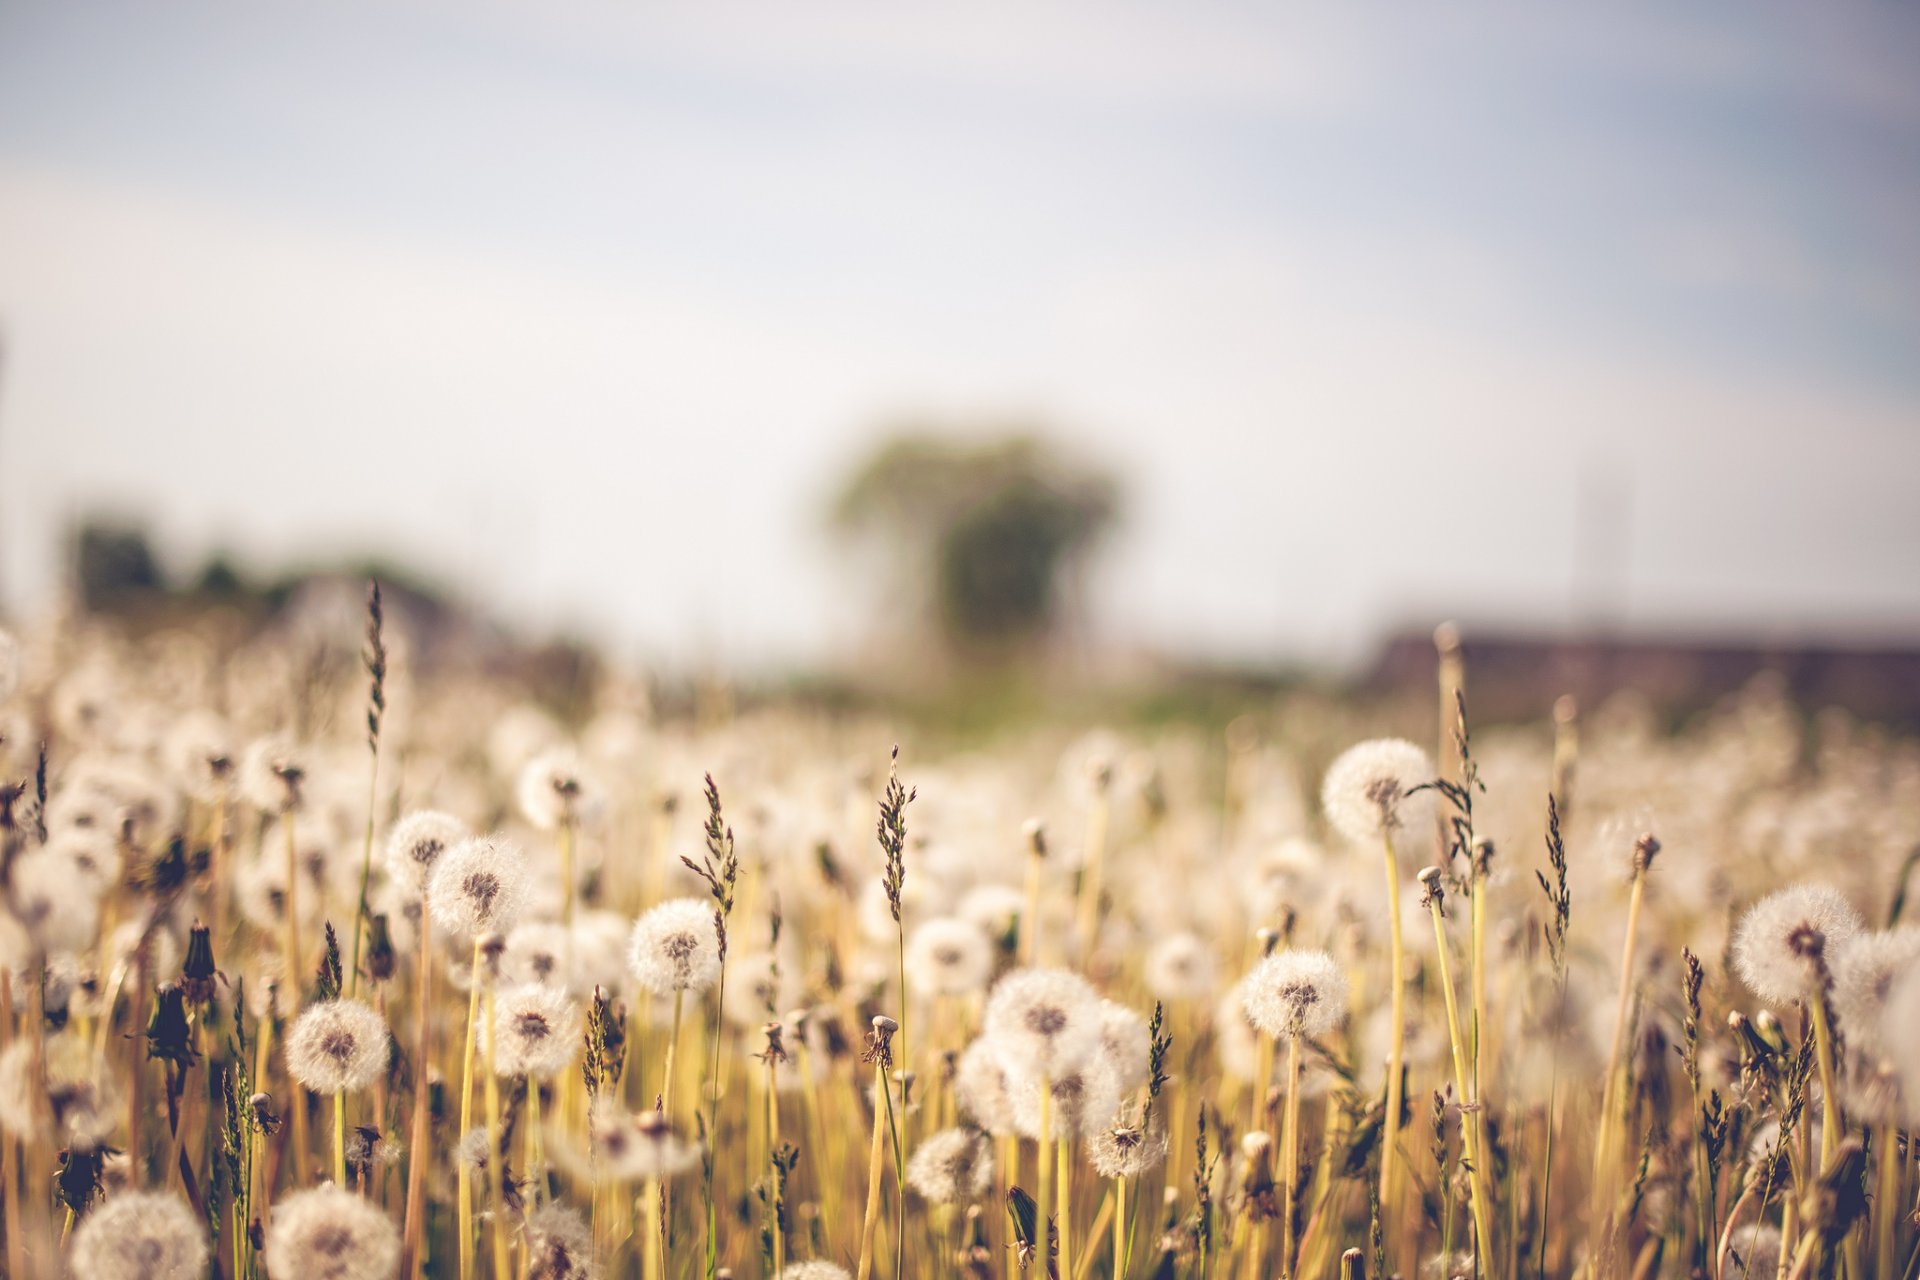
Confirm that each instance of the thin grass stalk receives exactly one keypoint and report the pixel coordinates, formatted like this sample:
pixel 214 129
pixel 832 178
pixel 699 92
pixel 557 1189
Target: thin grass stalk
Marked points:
pixel 876 1160
pixel 412 1249
pixel 464 1190
pixel 1470 1130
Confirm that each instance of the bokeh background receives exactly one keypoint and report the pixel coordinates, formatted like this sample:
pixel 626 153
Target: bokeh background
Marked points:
pixel 777 338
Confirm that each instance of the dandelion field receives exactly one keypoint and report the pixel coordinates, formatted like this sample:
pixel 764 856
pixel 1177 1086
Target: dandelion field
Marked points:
pixel 332 968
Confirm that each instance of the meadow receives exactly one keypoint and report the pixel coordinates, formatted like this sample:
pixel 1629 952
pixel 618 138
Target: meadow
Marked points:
pixel 317 967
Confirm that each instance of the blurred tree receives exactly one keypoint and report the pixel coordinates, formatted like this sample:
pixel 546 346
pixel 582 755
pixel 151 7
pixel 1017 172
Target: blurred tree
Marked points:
pixel 984 533
pixel 114 566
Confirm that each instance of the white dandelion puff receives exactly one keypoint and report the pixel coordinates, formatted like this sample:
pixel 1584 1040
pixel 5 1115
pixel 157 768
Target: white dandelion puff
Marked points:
pixel 271 774
pixel 675 948
pixel 1180 967
pixel 1368 792
pixel 553 788
pixel 1043 1022
pixel 980 1088
pixel 1296 994
pixel 539 1031
pixel 1127 1042
pixel 952 1166
pixel 477 887
pixel 948 957
pixel 417 842
pixel 814 1270
pixel 1864 974
pixel 1788 940
pixel 559 1245
pixel 140 1235
pixel 1126 1151
pixel 1085 1100
pixel 329 1234
pixel 338 1046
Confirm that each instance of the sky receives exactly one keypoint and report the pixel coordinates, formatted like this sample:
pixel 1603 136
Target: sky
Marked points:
pixel 1520 314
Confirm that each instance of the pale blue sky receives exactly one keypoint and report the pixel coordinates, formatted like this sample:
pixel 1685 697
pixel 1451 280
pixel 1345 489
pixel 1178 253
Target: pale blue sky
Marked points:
pixel 585 306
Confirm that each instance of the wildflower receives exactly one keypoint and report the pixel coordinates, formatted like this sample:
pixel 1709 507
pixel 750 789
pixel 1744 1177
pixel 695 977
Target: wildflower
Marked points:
pixel 416 843
pixel 330 1234
pixel 270 775
pixel 140 1235
pixel 1296 994
pixel 675 948
pixel 951 1166
pixel 948 957
pixel 337 1046
pixel 540 1030
pixel 1368 792
pixel 477 887
pixel 1785 944
pixel 1180 967
pixel 554 788
pixel 1043 1022
pixel 559 1246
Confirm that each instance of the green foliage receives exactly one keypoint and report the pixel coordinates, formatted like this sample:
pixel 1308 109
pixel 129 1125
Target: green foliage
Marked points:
pixel 984 532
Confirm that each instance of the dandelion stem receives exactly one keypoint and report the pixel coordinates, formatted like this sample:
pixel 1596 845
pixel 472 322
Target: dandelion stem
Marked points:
pixel 1829 1092
pixel 339 1139
pixel 876 1159
pixel 1396 960
pixel 465 1185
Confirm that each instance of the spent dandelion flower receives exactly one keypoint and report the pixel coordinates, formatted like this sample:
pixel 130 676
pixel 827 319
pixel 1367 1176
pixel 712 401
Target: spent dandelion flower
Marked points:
pixel 140 1235
pixel 327 1233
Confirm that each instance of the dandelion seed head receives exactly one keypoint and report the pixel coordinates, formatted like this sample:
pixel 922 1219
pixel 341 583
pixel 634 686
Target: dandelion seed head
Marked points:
pixel 199 754
pixel 338 1046
pixel 553 787
pixel 1085 1099
pixel 1789 939
pixel 675 948
pixel 1180 967
pixel 1126 1151
pixel 952 1166
pixel 980 1088
pixel 1368 792
pixel 1296 994
pixel 140 1235
pixel 329 1234
pixel 52 901
pixel 271 772
pixel 539 1030
pixel 416 844
pixel 559 1245
pixel 814 1270
pixel 537 952
pixel 478 886
pixel 1043 1022
pixel 1126 1042
pixel 948 957
pixel 1864 973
